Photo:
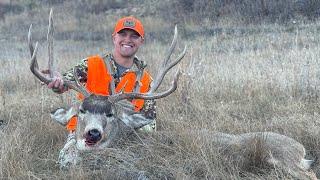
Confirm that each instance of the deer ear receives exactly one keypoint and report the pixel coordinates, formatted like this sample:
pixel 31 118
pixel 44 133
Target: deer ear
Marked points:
pixel 62 115
pixel 135 121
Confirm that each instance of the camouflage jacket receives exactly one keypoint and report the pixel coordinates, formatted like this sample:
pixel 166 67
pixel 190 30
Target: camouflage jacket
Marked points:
pixel 149 107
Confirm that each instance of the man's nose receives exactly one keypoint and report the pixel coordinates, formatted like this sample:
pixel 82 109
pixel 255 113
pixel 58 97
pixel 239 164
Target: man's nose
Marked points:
pixel 127 37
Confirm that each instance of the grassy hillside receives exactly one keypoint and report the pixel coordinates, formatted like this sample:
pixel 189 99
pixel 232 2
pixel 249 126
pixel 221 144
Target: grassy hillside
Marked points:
pixel 239 76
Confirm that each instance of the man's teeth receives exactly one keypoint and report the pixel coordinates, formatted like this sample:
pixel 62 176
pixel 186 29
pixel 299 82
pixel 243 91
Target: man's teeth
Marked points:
pixel 126 46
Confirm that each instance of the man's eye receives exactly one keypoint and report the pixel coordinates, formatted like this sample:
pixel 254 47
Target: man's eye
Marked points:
pixel 122 34
pixel 135 36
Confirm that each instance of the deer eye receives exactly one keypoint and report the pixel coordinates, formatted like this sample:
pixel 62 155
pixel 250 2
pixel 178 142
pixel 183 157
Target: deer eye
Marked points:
pixel 82 111
pixel 109 115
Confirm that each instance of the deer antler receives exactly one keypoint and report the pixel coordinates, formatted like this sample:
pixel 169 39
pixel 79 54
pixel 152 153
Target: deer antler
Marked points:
pixel 34 64
pixel 50 44
pixel 166 66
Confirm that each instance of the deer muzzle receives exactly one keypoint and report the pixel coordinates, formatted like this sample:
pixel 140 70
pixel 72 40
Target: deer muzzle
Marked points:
pixel 92 137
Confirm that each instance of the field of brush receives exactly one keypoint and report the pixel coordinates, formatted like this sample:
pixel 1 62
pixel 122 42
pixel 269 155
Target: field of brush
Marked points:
pixel 236 78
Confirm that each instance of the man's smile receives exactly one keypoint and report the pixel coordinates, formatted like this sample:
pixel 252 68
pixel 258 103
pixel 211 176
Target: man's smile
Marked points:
pixel 127 46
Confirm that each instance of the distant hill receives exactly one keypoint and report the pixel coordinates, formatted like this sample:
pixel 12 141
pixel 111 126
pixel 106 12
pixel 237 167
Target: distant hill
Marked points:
pixel 94 19
pixel 180 10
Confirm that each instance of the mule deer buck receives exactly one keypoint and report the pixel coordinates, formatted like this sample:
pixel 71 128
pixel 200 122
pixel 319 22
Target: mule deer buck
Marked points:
pixel 100 122
pixel 104 120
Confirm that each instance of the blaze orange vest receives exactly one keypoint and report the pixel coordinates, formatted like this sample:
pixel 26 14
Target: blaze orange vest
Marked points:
pixel 98 80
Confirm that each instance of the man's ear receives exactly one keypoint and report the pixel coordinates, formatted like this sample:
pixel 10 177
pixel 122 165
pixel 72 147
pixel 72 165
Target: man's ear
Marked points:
pixel 62 115
pixel 113 36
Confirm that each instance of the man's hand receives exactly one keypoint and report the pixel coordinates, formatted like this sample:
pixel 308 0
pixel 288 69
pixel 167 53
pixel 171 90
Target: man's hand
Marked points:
pixel 57 83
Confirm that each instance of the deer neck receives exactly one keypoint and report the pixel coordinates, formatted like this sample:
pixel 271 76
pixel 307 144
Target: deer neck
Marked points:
pixel 118 131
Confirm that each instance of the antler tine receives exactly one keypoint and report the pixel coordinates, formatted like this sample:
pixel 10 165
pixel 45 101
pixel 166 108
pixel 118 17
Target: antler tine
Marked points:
pixel 118 97
pixel 178 59
pixel 30 41
pixel 172 46
pixel 164 71
pixel 31 46
pixel 77 86
pixel 34 67
pixel 50 44
pixel 112 83
pixel 34 64
pixel 165 66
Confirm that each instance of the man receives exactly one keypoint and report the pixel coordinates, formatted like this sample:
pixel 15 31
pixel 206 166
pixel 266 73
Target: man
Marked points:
pixel 127 71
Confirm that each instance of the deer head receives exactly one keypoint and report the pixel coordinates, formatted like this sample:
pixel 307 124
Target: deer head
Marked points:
pixel 102 120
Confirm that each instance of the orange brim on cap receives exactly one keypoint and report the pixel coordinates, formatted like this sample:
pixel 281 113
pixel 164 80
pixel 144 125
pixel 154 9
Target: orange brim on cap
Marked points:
pixel 129 23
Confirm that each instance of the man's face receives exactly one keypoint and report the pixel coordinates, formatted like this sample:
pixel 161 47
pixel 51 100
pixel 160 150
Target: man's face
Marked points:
pixel 127 42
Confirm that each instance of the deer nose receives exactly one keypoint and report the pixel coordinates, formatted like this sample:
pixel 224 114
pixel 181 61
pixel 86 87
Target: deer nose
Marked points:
pixel 94 135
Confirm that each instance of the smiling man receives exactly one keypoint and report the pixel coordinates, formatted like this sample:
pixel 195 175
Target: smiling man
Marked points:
pixel 115 72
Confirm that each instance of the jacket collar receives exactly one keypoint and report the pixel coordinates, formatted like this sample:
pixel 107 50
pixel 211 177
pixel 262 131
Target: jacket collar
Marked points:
pixel 138 65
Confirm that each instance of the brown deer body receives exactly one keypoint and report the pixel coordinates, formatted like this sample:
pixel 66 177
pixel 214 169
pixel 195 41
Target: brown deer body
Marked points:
pixel 266 149
pixel 104 120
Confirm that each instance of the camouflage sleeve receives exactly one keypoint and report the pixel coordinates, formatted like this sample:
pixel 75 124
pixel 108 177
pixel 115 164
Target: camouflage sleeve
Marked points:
pixel 149 109
pixel 82 70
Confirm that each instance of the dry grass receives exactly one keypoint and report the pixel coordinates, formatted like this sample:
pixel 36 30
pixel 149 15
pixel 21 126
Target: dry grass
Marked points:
pixel 237 79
